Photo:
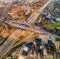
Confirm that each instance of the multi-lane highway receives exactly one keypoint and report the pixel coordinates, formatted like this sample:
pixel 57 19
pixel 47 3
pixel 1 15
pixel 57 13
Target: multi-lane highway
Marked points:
pixel 30 20
pixel 35 15
pixel 12 44
pixel 7 46
pixel 33 28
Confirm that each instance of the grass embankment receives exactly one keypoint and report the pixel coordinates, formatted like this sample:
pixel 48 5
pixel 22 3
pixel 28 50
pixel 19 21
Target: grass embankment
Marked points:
pixel 53 25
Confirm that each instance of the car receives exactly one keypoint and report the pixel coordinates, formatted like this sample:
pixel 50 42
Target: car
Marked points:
pixel 52 45
pixel 4 18
pixel 58 54
pixel 41 50
pixel 28 46
pixel 44 14
pixel 38 41
pixel 48 17
pixel 53 20
pixel 39 46
pixel 47 48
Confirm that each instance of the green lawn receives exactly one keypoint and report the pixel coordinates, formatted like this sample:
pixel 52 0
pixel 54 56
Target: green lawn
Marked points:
pixel 54 25
pixel 57 40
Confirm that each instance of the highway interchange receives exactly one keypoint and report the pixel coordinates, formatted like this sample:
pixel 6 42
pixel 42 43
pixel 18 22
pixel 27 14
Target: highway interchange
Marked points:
pixel 29 25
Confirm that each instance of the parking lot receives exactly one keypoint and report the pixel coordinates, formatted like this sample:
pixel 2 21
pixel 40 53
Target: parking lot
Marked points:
pixel 34 54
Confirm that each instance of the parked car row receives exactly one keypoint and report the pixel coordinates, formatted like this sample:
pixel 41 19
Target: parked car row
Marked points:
pixel 53 31
pixel 50 46
pixel 38 46
pixel 30 45
pixel 49 17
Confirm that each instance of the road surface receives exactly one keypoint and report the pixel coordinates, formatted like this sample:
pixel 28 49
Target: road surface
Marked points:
pixel 7 46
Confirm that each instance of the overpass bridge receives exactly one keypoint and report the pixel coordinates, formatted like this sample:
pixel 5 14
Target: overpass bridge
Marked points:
pixel 8 44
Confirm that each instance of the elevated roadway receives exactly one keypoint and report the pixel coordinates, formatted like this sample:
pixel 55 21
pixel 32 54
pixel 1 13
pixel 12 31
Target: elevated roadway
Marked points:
pixel 8 45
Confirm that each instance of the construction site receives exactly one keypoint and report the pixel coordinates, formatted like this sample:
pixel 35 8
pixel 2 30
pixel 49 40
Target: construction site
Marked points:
pixel 29 29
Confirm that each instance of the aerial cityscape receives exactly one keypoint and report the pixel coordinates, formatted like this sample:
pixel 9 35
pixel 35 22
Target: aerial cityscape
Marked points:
pixel 29 29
